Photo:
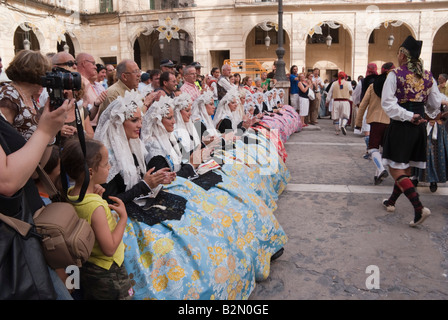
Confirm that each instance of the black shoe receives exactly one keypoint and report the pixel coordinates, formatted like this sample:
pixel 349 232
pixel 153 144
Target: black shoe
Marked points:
pixel 277 254
pixel 433 187
pixel 344 131
pixel 383 175
pixel 415 182
pixel 420 217
pixel 387 206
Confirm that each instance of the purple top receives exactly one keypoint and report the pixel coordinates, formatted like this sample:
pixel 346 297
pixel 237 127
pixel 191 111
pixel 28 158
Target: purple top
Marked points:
pixel 410 87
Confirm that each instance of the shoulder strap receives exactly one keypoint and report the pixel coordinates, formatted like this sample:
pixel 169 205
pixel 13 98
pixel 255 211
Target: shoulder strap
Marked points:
pixel 64 178
pixel 19 226
pixel 48 184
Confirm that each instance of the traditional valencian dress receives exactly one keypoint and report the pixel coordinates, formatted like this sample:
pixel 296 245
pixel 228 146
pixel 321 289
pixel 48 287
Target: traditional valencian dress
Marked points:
pixel 217 248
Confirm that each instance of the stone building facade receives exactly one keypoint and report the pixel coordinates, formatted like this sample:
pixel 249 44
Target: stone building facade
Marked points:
pixel 212 31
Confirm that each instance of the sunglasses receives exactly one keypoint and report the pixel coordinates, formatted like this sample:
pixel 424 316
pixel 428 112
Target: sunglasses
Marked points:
pixel 68 64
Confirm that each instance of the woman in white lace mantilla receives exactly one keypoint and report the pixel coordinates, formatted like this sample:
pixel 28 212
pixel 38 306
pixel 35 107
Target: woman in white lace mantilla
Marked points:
pixel 119 129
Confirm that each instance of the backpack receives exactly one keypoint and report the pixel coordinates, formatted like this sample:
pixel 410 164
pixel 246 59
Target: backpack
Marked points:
pixel 66 238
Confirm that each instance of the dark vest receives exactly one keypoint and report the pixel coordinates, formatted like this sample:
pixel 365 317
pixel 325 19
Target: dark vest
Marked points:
pixel 366 82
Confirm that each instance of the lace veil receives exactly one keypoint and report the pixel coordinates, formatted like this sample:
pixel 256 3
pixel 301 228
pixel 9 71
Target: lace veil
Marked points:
pixel 182 129
pixel 111 133
pixel 156 139
pixel 268 99
pixel 224 110
pixel 199 112
pixel 258 104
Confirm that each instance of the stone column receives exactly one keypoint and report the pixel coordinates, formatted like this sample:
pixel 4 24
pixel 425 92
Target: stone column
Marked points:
pixel 280 76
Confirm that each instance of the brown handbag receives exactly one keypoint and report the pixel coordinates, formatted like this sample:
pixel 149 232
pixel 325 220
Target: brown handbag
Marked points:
pixel 66 238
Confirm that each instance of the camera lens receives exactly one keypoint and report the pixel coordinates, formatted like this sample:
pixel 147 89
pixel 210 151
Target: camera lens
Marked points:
pixel 71 81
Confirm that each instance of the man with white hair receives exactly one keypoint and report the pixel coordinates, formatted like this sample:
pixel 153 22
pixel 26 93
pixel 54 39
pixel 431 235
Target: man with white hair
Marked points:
pixel 128 75
pixel 224 84
pixel 443 87
pixel 87 68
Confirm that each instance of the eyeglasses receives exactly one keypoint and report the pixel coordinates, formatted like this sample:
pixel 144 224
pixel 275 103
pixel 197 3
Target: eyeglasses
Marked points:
pixel 68 64
pixel 92 62
pixel 134 72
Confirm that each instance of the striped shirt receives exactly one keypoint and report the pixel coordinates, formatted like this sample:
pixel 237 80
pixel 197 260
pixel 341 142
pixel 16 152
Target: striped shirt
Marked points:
pixel 191 89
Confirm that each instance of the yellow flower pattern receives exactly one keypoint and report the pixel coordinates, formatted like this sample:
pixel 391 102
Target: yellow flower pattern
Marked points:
pixel 410 87
pixel 163 246
pixel 223 242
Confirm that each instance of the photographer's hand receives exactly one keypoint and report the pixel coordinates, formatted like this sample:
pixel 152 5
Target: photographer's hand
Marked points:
pixel 52 121
pixel 17 167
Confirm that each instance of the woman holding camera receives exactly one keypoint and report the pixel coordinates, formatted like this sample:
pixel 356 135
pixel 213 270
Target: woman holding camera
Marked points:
pixel 18 99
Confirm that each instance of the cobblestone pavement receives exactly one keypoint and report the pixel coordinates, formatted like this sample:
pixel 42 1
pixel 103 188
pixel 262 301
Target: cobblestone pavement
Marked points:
pixel 337 228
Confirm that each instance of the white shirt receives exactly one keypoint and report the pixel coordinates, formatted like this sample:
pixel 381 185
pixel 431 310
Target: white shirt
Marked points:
pixel 390 105
pixel 357 93
pixel 225 83
pixel 319 81
pixel 143 87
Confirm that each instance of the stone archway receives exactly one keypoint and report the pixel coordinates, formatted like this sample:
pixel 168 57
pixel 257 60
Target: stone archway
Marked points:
pixel 24 32
pixel 440 51
pixel 379 50
pixel 60 46
pixel 333 58
pixel 256 48
pixel 149 50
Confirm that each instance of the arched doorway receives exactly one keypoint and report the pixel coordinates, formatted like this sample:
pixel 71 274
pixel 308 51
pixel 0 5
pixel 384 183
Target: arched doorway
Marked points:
pixel 61 46
pixel 261 44
pixel 328 69
pixel 149 50
pixel 385 41
pixel 440 52
pixel 23 36
pixel 329 48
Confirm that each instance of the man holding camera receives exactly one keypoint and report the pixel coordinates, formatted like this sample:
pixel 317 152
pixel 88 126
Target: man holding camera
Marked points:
pixel 406 92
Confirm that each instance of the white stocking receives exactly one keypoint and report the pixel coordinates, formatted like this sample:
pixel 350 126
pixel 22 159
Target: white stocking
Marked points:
pixel 377 161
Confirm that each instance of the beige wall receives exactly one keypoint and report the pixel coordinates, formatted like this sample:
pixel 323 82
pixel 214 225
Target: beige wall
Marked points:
pixel 223 26
pixel 441 40
pixel 379 53
pixel 266 55
pixel 339 55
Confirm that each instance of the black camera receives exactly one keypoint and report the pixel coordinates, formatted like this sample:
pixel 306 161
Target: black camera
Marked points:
pixel 57 81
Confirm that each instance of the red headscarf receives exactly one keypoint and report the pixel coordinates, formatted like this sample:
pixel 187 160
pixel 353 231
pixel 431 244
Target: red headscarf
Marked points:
pixel 372 69
pixel 341 75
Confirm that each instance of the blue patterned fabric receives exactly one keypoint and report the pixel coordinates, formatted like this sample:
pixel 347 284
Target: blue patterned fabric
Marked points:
pixel 224 242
